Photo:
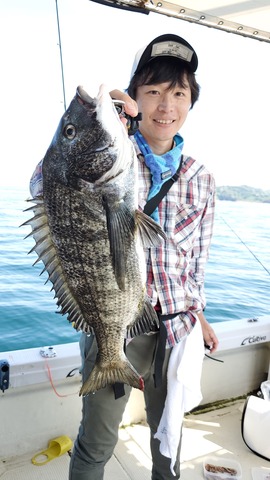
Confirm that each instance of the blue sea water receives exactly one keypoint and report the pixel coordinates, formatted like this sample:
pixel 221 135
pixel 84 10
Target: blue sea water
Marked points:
pixel 237 284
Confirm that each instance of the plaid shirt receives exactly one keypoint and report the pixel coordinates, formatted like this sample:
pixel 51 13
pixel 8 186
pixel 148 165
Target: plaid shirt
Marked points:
pixel 36 182
pixel 175 270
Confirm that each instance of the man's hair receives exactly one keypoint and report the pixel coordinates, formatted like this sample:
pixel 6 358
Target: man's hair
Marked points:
pixel 163 70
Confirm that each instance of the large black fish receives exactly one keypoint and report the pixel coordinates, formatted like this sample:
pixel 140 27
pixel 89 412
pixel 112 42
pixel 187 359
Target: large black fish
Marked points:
pixel 90 235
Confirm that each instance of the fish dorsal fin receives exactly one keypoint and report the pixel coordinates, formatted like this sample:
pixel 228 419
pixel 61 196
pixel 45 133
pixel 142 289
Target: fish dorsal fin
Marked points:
pixel 121 230
pixel 150 232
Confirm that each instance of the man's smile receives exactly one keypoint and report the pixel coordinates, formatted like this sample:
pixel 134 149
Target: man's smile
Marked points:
pixel 164 122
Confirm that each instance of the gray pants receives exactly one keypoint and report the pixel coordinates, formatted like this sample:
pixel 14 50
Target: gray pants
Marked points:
pixel 102 414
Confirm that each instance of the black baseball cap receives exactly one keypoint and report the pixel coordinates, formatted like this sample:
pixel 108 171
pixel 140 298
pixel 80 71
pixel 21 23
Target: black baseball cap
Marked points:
pixel 167 45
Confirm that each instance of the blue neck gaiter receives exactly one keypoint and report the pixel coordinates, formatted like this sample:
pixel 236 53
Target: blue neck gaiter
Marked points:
pixel 162 167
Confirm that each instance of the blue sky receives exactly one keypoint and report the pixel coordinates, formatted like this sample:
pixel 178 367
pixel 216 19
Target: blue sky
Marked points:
pixel 227 130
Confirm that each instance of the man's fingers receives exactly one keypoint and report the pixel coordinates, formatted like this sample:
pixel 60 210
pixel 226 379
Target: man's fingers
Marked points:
pixel 130 105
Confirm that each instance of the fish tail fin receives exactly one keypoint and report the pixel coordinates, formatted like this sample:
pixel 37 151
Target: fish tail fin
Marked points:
pixel 103 375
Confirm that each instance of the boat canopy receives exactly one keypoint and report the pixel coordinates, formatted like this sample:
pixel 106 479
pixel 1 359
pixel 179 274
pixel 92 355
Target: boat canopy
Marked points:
pixel 249 18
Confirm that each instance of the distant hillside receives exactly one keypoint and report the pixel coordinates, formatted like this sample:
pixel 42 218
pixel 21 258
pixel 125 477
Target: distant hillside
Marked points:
pixel 243 193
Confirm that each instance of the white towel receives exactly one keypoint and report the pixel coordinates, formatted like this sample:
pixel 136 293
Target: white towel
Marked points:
pixel 184 390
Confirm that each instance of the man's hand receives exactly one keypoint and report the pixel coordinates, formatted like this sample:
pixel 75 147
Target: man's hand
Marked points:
pixel 209 335
pixel 130 106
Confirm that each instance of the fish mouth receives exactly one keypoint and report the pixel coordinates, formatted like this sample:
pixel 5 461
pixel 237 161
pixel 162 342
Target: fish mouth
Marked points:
pixel 82 95
pixel 84 98
pixel 106 147
pixel 94 149
pixel 100 145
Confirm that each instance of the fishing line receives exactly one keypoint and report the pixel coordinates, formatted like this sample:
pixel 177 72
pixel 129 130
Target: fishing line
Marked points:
pixel 61 58
pixel 247 247
pixel 52 383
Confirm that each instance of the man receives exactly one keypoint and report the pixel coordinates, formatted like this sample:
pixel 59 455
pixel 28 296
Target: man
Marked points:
pixel 163 88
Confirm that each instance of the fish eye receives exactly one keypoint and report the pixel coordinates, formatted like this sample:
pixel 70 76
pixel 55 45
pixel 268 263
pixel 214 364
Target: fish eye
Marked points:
pixel 70 131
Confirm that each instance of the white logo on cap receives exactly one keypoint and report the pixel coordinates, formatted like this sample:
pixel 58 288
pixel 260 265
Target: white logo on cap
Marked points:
pixel 173 49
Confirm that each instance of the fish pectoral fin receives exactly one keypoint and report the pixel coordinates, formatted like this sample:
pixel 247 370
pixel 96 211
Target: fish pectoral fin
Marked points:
pixel 150 232
pixel 145 322
pixel 121 228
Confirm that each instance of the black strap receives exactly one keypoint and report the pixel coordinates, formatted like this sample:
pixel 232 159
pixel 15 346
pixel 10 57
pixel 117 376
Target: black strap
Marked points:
pixel 161 347
pixel 152 204
pixel 160 354
pixel 119 390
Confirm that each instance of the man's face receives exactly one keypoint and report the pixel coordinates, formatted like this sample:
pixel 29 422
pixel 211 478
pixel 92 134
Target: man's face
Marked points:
pixel 163 113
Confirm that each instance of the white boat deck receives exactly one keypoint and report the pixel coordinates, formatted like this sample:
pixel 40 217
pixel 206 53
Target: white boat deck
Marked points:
pixel 214 433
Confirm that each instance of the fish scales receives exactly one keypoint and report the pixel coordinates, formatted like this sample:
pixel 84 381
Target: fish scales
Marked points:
pixel 90 235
